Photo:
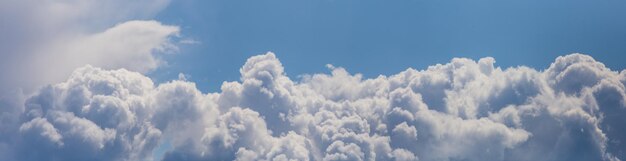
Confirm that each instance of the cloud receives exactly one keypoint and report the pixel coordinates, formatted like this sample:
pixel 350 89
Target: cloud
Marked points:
pixel 462 110
pixel 132 45
pixel 43 42
pixel 94 115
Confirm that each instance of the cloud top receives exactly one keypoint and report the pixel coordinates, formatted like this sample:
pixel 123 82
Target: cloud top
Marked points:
pixel 462 110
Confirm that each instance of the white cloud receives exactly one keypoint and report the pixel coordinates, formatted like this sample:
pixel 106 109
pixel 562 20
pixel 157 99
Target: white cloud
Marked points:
pixel 43 42
pixel 133 45
pixel 40 127
pixel 462 110
pixel 94 115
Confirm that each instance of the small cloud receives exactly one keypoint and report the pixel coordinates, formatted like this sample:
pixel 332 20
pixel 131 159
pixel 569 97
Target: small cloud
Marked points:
pixel 189 42
pixel 183 77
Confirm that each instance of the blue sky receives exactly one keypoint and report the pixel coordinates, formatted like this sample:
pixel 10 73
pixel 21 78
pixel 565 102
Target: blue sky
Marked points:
pixel 375 37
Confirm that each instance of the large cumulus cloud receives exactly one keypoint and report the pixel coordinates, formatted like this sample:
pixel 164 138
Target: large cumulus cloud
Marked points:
pixel 462 110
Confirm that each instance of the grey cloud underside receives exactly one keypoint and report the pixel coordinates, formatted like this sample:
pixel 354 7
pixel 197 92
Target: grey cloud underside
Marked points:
pixel 462 110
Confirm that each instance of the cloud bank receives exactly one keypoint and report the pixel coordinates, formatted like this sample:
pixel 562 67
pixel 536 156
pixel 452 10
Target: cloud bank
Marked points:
pixel 461 110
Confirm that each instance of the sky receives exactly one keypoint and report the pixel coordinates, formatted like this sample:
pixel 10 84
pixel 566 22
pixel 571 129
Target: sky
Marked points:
pixel 388 37
pixel 406 80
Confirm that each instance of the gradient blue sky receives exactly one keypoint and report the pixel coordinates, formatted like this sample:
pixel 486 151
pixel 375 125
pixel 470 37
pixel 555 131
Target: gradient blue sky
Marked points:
pixel 375 37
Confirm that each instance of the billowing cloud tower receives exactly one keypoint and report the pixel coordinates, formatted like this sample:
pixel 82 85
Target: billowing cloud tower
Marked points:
pixel 462 110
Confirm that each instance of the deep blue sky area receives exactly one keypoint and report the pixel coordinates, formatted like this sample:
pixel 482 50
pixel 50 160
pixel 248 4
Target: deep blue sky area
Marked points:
pixel 376 37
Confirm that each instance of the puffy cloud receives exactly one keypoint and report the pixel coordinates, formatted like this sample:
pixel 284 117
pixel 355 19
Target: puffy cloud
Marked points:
pixel 43 42
pixel 40 127
pixel 91 116
pixel 462 110
pixel 94 115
